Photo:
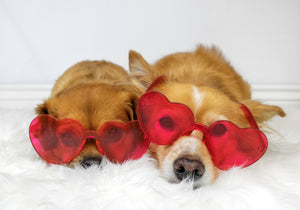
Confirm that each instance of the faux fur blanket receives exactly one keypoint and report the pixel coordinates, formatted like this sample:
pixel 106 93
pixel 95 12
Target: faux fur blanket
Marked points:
pixel 27 182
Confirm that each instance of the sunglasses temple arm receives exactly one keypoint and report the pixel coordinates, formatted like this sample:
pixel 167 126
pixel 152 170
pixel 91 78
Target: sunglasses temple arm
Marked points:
pixel 156 82
pixel 249 116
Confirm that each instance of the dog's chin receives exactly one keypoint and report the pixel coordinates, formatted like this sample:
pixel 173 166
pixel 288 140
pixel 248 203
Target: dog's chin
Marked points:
pixel 86 161
pixel 194 184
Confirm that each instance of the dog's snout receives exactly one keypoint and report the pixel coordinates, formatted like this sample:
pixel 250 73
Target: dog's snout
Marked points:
pixel 186 168
pixel 89 161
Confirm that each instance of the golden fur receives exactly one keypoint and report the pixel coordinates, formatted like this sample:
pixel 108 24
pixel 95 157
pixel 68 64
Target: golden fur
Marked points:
pixel 205 82
pixel 92 92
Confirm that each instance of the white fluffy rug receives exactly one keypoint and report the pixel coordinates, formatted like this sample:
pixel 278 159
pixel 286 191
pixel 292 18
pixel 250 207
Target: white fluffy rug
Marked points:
pixel 26 182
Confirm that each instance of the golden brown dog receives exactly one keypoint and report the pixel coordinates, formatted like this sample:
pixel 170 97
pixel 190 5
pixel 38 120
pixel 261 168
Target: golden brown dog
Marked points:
pixel 92 92
pixel 205 82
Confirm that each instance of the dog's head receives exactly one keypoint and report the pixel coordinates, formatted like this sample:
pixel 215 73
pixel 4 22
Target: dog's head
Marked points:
pixel 188 158
pixel 92 104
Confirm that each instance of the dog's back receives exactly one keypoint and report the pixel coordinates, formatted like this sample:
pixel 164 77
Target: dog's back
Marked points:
pixel 205 67
pixel 90 72
pixel 202 67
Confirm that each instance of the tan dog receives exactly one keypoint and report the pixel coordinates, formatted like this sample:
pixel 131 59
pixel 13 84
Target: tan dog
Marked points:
pixel 205 82
pixel 92 92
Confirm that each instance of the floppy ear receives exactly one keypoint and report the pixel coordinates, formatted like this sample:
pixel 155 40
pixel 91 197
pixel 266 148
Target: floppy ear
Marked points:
pixel 45 108
pixel 141 71
pixel 42 109
pixel 263 112
pixel 131 108
pixel 131 96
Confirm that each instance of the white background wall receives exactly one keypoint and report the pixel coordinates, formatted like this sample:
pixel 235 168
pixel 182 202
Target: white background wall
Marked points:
pixel 39 39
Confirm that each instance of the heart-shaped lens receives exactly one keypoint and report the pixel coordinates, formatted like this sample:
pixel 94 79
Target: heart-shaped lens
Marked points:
pixel 162 121
pixel 232 146
pixel 121 142
pixel 56 141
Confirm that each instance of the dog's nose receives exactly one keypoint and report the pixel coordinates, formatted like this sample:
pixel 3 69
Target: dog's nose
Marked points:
pixel 89 161
pixel 188 168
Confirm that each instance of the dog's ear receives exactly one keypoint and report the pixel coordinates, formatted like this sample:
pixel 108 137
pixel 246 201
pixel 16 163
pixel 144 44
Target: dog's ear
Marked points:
pixel 130 95
pixel 263 112
pixel 42 109
pixel 141 72
pixel 131 107
pixel 45 108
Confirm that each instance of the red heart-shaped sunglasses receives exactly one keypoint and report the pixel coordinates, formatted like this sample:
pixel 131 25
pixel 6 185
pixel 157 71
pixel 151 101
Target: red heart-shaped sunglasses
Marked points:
pixel 163 122
pixel 60 141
